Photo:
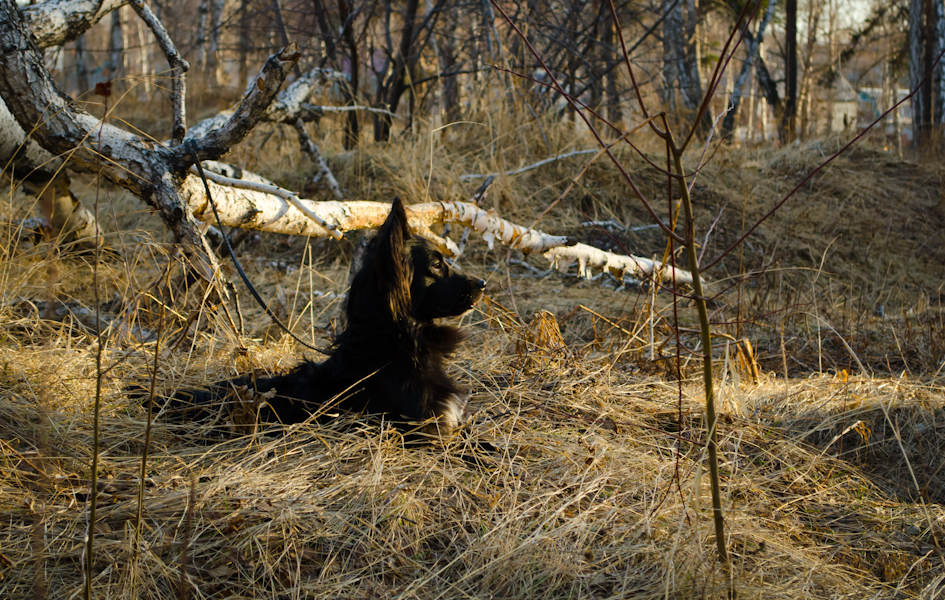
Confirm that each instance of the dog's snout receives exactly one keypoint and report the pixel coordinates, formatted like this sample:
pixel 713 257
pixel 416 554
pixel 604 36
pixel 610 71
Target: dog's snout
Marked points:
pixel 481 284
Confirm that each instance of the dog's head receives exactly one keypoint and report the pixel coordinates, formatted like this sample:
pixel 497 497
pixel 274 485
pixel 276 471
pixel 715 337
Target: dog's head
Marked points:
pixel 436 288
pixel 413 276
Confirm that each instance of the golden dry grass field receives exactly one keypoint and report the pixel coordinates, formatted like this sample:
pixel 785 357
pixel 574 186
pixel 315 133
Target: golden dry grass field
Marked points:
pixel 582 472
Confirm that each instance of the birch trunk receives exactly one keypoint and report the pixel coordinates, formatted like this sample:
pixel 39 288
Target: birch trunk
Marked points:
pixel 768 86
pixel 213 48
pixel 200 38
pixel 70 222
pixel 81 69
pixel 449 84
pixel 915 70
pixel 787 129
pixel 252 209
pixel 728 124
pixel 245 35
pixel 144 66
pixel 672 52
pixel 352 126
pixel 692 58
pixel 614 114
pixel 116 47
pixel 939 75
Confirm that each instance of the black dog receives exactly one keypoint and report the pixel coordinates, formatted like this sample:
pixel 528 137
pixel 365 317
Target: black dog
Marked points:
pixel 390 358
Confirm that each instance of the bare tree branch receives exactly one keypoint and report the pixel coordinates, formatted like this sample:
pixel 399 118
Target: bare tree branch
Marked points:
pixel 178 66
pixel 311 148
pixel 148 170
pixel 55 22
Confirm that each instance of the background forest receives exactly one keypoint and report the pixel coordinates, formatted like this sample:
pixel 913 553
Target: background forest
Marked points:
pixel 805 138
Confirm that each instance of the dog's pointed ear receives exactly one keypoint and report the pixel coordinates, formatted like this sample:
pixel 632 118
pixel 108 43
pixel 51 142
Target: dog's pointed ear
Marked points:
pixel 393 270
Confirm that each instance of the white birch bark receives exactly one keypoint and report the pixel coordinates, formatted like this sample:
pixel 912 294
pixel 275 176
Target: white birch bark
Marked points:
pixel 259 210
pixel 310 148
pixel 178 65
pixel 728 124
pixel 286 107
pixel 28 159
pixel 144 59
pixel 69 221
pixel 56 22
pixel 589 259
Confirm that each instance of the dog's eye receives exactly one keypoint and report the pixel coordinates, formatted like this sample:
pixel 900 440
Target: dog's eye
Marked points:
pixel 439 266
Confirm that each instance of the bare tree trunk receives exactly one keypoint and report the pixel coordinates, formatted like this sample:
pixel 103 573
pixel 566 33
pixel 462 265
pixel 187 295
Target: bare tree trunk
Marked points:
pixel 692 90
pixel 200 40
pixel 570 86
pixel 897 123
pixel 728 124
pixel 349 88
pixel 672 52
pixel 245 41
pixel 938 36
pixel 681 59
pixel 279 23
pixel 832 61
pixel 614 113
pixel 787 129
pixel 930 41
pixel 81 69
pixel 750 127
pixel 396 85
pixel 763 107
pixel 491 35
pixel 449 83
pixel 145 58
pixel 352 127
pixel 328 33
pixel 594 69
pixel 116 47
pixel 766 84
pixel 806 101
pixel 216 20
pixel 919 104
pixel 280 30
pixel 769 88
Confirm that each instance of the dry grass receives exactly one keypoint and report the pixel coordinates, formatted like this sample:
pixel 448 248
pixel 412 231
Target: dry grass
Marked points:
pixel 581 481
pixel 581 472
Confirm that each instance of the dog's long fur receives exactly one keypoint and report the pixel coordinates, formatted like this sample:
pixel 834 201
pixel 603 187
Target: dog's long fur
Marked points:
pixel 391 357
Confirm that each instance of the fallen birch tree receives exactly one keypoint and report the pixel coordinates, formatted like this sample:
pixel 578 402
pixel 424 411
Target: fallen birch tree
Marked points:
pixel 255 208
